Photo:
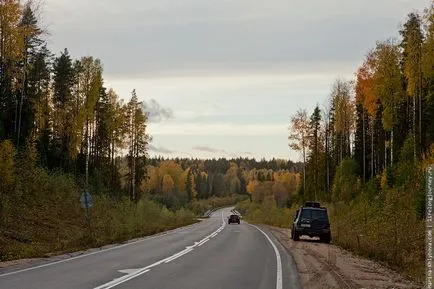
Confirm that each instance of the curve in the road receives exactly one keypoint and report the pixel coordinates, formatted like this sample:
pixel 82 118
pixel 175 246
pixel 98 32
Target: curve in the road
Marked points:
pixel 209 254
pixel 278 259
pixel 146 269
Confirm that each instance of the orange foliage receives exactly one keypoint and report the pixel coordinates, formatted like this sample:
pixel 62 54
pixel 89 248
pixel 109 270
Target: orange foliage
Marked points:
pixel 365 83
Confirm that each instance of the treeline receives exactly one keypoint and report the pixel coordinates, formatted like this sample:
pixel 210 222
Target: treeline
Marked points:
pixel 179 181
pixel 366 151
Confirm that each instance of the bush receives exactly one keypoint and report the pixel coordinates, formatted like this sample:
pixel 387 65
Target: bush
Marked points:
pixel 388 230
pixel 266 212
pixel 52 220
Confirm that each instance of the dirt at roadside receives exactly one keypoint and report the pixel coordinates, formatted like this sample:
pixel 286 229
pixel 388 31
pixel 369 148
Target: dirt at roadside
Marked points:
pixel 328 266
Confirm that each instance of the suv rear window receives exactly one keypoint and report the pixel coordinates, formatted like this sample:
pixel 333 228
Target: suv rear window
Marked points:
pixel 314 214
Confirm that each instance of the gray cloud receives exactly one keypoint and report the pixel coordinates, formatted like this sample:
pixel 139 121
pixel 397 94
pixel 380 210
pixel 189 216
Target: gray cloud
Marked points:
pixel 159 37
pixel 156 113
pixel 160 149
pixel 209 149
pixel 213 150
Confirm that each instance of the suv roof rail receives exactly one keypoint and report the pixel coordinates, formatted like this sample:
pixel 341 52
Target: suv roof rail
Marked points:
pixel 312 204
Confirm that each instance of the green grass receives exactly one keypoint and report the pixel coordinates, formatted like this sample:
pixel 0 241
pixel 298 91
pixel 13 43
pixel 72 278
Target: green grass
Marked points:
pixel 42 216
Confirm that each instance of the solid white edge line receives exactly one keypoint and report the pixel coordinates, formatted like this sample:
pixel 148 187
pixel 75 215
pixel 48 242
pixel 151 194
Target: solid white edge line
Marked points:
pixel 279 261
pixel 103 250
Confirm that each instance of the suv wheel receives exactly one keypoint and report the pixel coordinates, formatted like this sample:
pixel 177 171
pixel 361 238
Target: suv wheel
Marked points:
pixel 325 238
pixel 295 235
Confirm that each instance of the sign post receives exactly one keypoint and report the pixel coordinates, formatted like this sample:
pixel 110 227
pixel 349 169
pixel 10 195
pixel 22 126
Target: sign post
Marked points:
pixel 86 203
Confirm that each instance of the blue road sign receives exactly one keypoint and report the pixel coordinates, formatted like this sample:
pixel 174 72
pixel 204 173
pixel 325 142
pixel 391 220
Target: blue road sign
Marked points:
pixel 86 200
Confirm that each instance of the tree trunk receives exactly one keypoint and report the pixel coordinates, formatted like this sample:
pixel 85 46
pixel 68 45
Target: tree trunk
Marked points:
pixel 304 170
pixel 364 145
pixel 327 156
pixel 391 147
pixel 372 150
pixel 133 169
pixel 420 99
pixel 87 153
pixel 414 127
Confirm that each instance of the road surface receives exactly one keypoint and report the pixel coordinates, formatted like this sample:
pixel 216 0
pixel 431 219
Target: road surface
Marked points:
pixel 209 254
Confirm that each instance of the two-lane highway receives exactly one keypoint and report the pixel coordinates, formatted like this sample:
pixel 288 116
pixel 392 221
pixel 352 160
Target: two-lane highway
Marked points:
pixel 210 254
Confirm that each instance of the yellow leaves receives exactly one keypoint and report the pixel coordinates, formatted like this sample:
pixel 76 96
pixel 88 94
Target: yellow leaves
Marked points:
pixel 150 184
pixel 157 175
pixel 299 131
pixel 168 185
pixel 193 188
pixel 175 171
pixel 412 41
pixel 12 38
pixel 387 80
pixel 285 185
pixel 262 190
pixel 343 105
pixel 251 186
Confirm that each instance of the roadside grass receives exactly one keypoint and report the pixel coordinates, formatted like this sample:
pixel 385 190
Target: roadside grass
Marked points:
pixel 388 232
pixel 41 216
pixel 266 213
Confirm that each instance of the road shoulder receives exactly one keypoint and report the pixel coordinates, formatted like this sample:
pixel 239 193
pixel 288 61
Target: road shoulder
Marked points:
pixel 328 266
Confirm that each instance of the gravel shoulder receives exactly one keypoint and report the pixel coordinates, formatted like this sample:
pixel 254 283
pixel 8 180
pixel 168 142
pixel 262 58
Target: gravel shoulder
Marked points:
pixel 329 266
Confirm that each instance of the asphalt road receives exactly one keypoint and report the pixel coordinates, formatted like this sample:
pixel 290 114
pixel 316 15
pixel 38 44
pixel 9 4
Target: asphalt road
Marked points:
pixel 210 254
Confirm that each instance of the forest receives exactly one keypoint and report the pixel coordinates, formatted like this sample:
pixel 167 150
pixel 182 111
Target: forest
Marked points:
pixel 365 152
pixel 63 132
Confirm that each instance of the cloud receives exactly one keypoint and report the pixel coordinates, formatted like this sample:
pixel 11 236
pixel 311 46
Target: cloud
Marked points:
pixel 213 150
pixel 209 149
pixel 160 149
pixel 195 34
pixel 156 113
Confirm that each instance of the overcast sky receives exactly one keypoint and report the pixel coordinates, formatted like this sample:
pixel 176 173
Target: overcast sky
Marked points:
pixel 227 73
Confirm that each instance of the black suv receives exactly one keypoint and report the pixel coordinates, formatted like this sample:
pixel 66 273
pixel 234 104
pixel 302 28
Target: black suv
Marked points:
pixel 311 220
pixel 234 219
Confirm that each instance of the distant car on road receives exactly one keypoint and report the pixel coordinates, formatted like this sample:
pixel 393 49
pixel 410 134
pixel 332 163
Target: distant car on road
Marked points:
pixel 311 220
pixel 234 219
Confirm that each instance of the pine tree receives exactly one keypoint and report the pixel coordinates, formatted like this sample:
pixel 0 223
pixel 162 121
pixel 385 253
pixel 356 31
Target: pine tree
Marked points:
pixel 138 143
pixel 315 147
pixel 32 44
pixel 63 80
pixel 412 39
